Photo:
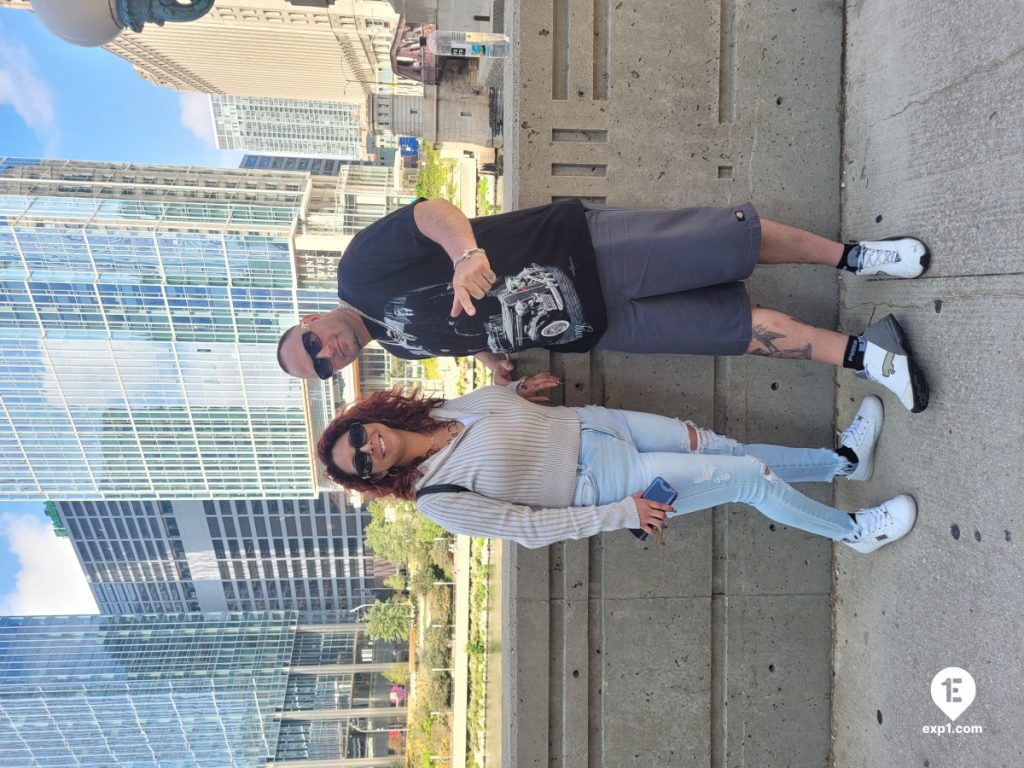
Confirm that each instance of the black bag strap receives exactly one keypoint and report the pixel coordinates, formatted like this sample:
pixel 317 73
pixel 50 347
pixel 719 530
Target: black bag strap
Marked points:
pixel 443 488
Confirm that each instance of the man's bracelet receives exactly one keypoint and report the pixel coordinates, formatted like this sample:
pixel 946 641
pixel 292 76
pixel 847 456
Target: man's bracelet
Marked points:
pixel 467 254
pixel 521 385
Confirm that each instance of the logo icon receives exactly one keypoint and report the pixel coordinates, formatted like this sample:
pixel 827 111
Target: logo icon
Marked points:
pixel 953 691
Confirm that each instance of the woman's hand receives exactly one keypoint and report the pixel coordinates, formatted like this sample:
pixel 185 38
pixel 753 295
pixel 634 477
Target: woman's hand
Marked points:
pixel 529 387
pixel 652 513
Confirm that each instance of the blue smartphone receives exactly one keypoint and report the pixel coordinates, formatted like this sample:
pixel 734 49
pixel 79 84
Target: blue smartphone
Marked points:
pixel 658 490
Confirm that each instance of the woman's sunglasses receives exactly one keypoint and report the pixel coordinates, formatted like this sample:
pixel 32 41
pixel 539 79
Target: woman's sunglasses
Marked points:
pixel 362 461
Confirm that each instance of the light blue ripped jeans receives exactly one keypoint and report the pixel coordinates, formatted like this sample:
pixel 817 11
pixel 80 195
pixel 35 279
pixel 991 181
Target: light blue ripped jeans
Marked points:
pixel 621 452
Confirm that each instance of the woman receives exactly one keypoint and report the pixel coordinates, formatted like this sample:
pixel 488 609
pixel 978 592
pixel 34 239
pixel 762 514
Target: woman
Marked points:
pixel 492 463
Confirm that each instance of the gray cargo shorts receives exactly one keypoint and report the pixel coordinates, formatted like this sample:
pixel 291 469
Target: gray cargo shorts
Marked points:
pixel 671 278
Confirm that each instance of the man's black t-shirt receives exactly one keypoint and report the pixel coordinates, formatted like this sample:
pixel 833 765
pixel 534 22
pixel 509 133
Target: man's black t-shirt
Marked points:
pixel 547 293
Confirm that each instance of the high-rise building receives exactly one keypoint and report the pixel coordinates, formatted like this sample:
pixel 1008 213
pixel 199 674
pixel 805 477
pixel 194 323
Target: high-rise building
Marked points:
pixel 288 554
pixel 140 308
pixel 250 690
pixel 337 50
pixel 395 114
pixel 288 126
pixel 318 166
pixel 338 209
pixel 139 313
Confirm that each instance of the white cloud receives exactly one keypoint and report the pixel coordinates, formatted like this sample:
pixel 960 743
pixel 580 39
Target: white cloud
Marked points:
pixel 49 578
pixel 195 115
pixel 27 93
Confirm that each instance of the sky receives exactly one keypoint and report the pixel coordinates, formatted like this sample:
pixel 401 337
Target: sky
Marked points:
pixel 59 100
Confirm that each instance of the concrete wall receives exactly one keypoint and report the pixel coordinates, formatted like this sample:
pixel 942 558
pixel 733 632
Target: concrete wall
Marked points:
pixel 714 650
pixel 457 109
pixel 462 15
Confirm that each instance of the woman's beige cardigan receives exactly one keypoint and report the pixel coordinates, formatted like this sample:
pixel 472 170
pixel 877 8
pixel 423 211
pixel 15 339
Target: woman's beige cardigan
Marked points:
pixel 519 461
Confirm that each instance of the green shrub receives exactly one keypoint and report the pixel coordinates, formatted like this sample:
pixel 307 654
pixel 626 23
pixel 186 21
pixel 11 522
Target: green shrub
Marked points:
pixel 398 674
pixel 441 557
pixel 439 691
pixel 436 654
pixel 441 604
pixel 422 582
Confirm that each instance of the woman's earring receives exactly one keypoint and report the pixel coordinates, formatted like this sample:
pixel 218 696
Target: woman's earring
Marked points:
pixel 393 471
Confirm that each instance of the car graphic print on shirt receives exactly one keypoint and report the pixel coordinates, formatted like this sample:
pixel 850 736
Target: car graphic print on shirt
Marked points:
pixel 538 306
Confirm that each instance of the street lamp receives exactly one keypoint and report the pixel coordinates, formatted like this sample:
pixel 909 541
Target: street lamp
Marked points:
pixel 358 607
pixel 96 22
pixel 369 730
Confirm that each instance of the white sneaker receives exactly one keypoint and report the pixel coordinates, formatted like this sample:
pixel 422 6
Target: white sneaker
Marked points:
pixel 883 524
pixel 861 435
pixel 894 256
pixel 888 361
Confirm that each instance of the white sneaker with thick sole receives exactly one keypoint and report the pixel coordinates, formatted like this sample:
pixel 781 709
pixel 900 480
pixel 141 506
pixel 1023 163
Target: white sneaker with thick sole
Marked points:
pixel 861 435
pixel 895 256
pixel 883 524
pixel 889 362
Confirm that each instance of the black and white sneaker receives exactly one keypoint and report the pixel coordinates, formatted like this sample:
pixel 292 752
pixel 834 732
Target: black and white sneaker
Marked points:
pixel 895 256
pixel 888 361
pixel 883 524
pixel 861 435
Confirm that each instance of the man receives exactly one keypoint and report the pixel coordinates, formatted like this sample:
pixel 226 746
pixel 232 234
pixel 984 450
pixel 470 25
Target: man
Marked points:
pixel 426 281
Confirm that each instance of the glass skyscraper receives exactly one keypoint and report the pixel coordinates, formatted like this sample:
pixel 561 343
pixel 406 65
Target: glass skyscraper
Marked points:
pixel 288 126
pixel 140 308
pixel 289 554
pixel 267 689
pixel 318 166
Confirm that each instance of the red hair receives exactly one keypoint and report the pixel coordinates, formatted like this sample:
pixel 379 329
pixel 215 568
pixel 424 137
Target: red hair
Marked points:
pixel 397 410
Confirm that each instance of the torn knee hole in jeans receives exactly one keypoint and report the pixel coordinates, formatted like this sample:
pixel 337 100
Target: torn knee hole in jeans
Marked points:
pixel 767 471
pixel 701 439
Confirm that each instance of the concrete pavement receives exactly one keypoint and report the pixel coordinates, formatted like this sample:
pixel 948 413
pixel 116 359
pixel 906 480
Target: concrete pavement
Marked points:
pixel 934 145
pixel 718 650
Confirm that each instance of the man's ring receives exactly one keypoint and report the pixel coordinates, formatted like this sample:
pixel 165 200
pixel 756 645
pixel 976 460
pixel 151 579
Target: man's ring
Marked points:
pixel 491 277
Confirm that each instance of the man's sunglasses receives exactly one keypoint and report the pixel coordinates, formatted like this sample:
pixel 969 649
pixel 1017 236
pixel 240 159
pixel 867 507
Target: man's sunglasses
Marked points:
pixel 312 344
pixel 362 461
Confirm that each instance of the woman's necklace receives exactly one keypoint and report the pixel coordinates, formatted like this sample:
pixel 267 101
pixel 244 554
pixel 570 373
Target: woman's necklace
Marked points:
pixel 453 430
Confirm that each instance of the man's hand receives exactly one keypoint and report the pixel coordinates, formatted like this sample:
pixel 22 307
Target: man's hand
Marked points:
pixel 531 386
pixel 652 513
pixel 446 225
pixel 473 278
pixel 500 367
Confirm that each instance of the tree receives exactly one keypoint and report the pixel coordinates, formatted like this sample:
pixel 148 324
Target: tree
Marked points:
pixel 436 176
pixel 423 580
pixel 388 621
pixel 398 674
pixel 395 539
pixel 399 533
pixel 396 581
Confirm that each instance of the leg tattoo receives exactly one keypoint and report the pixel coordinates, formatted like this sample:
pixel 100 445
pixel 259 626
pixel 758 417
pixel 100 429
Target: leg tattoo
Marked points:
pixel 767 338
